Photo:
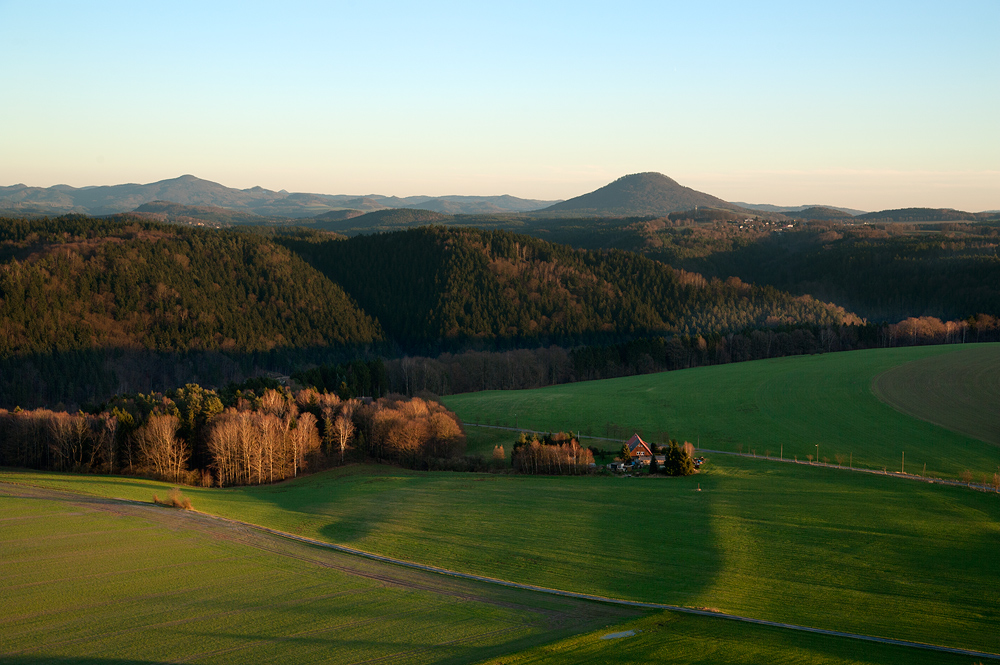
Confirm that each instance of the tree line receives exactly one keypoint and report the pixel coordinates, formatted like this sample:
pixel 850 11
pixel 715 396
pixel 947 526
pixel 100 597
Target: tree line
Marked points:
pixel 554 454
pixel 472 371
pixel 236 437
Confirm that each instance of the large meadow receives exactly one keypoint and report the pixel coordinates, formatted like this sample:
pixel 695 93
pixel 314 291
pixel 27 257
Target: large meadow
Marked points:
pixel 878 409
pixel 804 544
pixel 91 581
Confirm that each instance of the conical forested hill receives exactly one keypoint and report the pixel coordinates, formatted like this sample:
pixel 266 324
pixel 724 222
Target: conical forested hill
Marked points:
pixel 639 194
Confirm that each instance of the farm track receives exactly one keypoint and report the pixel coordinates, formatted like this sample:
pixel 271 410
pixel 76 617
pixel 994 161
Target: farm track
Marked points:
pixel 246 531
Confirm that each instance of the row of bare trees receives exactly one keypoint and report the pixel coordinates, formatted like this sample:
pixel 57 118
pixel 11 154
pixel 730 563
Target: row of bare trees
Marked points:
pixel 63 441
pixel 253 440
pixel 517 369
pixel 480 370
pixel 56 440
pixel 251 447
pixel 559 454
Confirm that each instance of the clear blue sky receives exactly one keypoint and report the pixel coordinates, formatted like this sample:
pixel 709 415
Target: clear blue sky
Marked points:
pixel 864 104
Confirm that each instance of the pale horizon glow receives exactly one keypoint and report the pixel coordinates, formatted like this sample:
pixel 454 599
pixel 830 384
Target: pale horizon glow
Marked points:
pixel 854 105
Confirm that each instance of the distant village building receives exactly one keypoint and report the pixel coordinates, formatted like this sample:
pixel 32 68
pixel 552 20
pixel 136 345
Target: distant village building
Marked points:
pixel 642 452
pixel 639 448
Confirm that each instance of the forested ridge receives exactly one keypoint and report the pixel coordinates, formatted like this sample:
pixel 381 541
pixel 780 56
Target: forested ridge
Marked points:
pixel 442 288
pixel 884 273
pixel 90 308
pixel 78 283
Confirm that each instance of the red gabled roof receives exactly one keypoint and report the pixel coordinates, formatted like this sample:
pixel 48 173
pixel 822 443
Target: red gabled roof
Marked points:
pixel 637 446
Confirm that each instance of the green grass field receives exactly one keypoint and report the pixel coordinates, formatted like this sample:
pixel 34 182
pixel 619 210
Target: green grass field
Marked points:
pixel 692 640
pixel 793 543
pixel 86 581
pixel 801 544
pixel 89 581
pixel 780 406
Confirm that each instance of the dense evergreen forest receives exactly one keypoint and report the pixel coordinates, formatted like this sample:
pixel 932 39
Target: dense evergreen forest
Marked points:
pixel 879 271
pixel 90 308
pixel 882 273
pixel 77 283
pixel 443 289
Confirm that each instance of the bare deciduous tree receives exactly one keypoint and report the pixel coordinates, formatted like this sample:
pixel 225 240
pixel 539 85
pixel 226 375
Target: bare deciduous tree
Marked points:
pixel 343 431
pixel 161 449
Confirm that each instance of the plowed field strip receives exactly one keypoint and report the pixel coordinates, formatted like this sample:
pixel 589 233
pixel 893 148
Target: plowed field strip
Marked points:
pixel 959 391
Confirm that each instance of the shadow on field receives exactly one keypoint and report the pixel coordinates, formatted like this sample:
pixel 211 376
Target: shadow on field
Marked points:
pixel 657 539
pixel 647 539
pixel 344 505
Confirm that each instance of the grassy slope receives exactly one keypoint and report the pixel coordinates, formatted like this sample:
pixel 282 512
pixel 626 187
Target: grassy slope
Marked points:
pixel 792 543
pixel 793 402
pixel 190 583
pixel 85 584
pixel 959 391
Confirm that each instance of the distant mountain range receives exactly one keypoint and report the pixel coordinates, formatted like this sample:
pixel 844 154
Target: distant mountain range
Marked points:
pixel 188 190
pixel 191 200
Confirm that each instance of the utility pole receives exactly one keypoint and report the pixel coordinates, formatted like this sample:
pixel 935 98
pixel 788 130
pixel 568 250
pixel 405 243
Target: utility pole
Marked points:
pixel 817 453
pixel 902 467
pixel 782 452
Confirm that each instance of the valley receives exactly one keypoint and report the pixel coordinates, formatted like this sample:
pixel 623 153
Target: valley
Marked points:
pixel 803 544
pixel 303 337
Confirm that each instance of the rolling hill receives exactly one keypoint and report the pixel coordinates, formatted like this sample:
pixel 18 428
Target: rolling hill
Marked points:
pixel 379 220
pixel 820 213
pixel 79 284
pixel 459 286
pixel 165 211
pixel 766 207
pixel 922 215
